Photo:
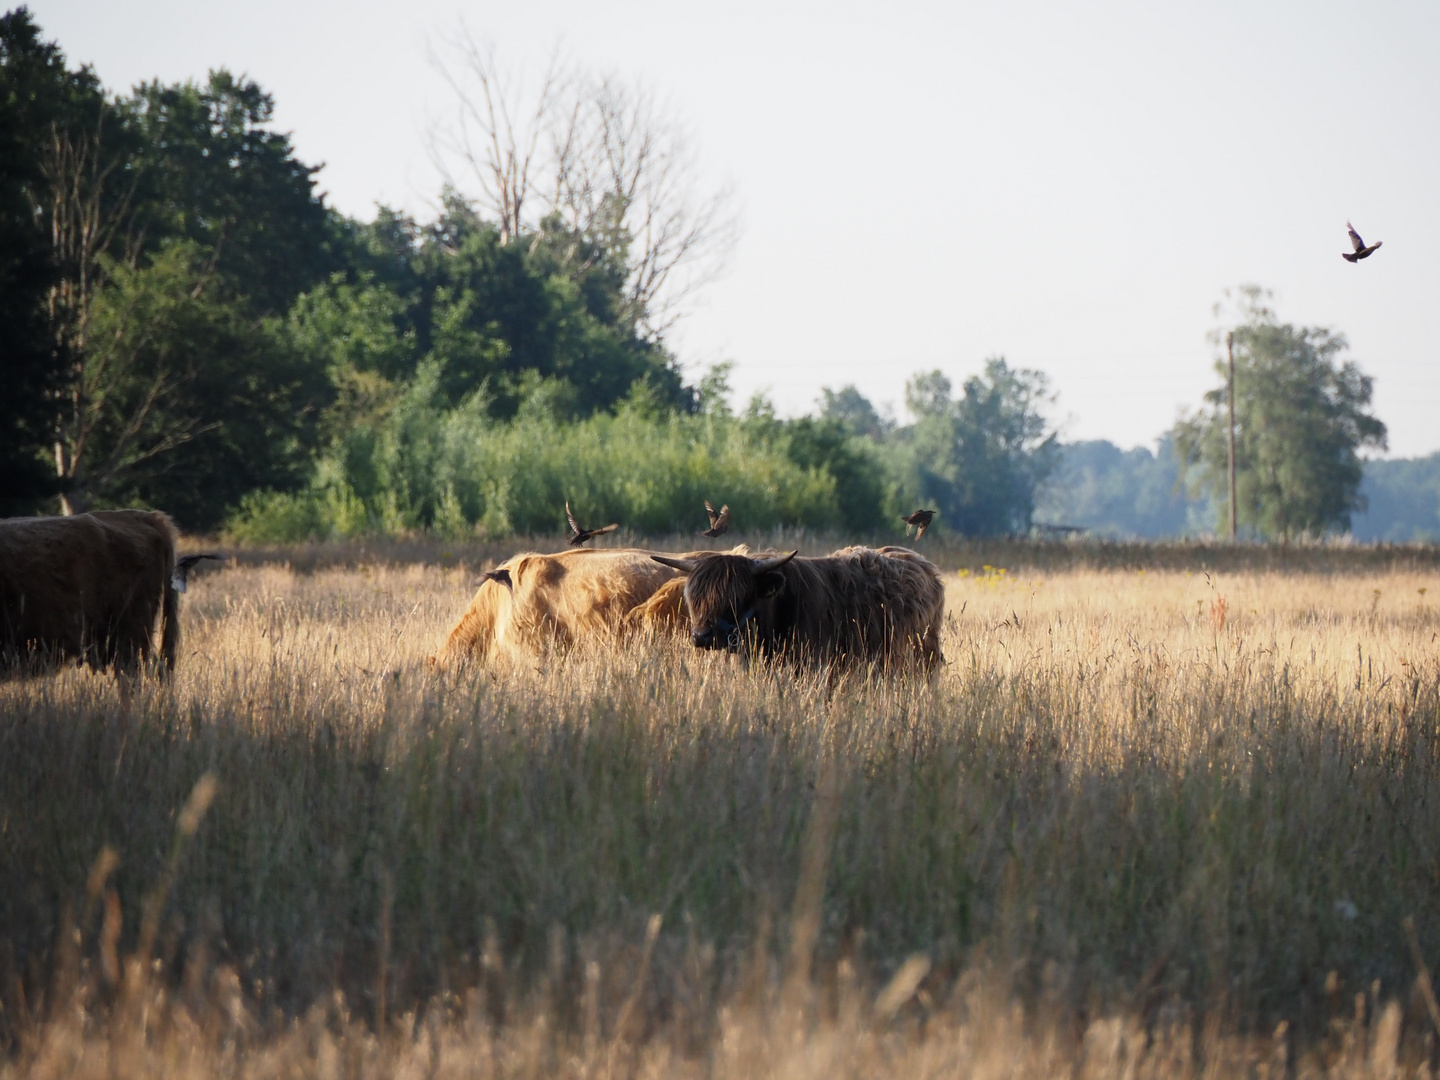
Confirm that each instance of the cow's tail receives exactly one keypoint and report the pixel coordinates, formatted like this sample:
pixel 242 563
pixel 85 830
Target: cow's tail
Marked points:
pixel 170 605
pixel 170 627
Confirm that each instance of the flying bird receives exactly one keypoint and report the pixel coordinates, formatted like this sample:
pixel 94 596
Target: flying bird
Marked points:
pixel 183 564
pixel 719 520
pixel 582 535
pixel 1361 251
pixel 919 521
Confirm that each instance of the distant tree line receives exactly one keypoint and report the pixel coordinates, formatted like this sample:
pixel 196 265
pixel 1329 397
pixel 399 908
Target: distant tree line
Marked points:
pixel 1301 421
pixel 1136 494
pixel 189 327
pixel 192 328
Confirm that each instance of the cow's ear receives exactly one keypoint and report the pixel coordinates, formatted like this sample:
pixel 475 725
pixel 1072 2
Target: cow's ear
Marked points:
pixel 771 584
pixel 501 576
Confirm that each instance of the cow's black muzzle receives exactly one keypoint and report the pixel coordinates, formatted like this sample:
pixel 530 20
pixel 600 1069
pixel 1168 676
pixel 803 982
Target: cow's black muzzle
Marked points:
pixel 706 640
pixel 723 634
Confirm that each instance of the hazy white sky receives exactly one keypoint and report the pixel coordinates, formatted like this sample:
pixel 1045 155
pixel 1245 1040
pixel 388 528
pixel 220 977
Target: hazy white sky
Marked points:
pixel 927 184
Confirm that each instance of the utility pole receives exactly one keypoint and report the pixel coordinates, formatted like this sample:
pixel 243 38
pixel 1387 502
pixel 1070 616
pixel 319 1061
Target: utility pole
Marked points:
pixel 1230 428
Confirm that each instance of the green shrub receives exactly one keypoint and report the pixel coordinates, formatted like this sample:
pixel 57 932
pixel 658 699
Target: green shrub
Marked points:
pixel 275 517
pixel 456 470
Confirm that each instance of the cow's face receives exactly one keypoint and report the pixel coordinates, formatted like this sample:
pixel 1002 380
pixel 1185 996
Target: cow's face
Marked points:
pixel 724 594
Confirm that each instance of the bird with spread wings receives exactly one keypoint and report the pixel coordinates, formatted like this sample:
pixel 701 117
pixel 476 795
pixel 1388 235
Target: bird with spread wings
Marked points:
pixel 1361 251
pixel 719 519
pixel 919 521
pixel 581 535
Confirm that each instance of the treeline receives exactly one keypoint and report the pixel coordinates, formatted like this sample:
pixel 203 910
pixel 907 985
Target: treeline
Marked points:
pixel 1138 494
pixel 197 331
pixel 199 325
pixel 1402 500
pixel 190 327
pixel 1301 415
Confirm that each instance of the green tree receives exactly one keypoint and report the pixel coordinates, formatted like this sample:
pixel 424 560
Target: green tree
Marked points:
pixel 1402 500
pixel 501 314
pixel 1121 493
pixel 186 400
pixel 826 444
pixel 1301 419
pixel 713 393
pixel 454 469
pixel 73 166
pixel 177 224
pixel 32 77
pixel 855 411
pixel 213 172
pixel 980 459
pixel 359 334
pixel 502 318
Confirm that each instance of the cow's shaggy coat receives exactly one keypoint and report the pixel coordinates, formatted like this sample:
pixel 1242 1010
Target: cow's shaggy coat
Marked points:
pixel 859 605
pixel 87 588
pixel 532 603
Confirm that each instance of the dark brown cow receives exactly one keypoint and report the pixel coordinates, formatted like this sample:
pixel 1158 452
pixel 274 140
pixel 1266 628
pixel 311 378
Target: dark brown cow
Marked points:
pixel 859 605
pixel 87 588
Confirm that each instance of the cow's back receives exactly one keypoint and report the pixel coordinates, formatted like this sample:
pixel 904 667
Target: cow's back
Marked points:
pixel 554 600
pixel 861 603
pixel 562 598
pixel 84 587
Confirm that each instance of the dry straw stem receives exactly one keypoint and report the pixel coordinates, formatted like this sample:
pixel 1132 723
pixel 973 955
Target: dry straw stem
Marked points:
pixel 902 986
pixel 1098 779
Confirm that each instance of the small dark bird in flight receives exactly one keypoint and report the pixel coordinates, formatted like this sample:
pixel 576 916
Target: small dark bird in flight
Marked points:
pixel 719 519
pixel 183 564
pixel 581 535
pixel 919 521
pixel 1361 251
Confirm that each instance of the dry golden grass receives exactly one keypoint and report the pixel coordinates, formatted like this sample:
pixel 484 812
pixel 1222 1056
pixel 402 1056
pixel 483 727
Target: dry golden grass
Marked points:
pixel 947 552
pixel 1143 823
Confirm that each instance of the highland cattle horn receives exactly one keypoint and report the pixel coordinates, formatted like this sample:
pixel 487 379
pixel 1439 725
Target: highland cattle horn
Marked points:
pixel 762 566
pixel 685 566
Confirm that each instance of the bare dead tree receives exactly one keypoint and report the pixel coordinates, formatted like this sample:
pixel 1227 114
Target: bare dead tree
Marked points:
pixel 601 154
pixel 497 151
pixel 88 205
pixel 86 214
pixel 624 163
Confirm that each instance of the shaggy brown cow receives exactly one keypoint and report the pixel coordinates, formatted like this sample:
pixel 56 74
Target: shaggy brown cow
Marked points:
pixel 87 588
pixel 857 605
pixel 534 602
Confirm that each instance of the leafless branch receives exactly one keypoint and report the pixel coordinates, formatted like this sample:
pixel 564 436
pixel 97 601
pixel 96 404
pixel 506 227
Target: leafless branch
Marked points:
pixel 600 154
pixel 85 215
pixel 497 152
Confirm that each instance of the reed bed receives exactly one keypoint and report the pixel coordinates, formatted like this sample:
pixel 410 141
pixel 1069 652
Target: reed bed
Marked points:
pixel 1143 822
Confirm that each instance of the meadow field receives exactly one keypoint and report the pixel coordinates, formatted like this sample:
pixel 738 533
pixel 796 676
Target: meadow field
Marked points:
pixel 1165 811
